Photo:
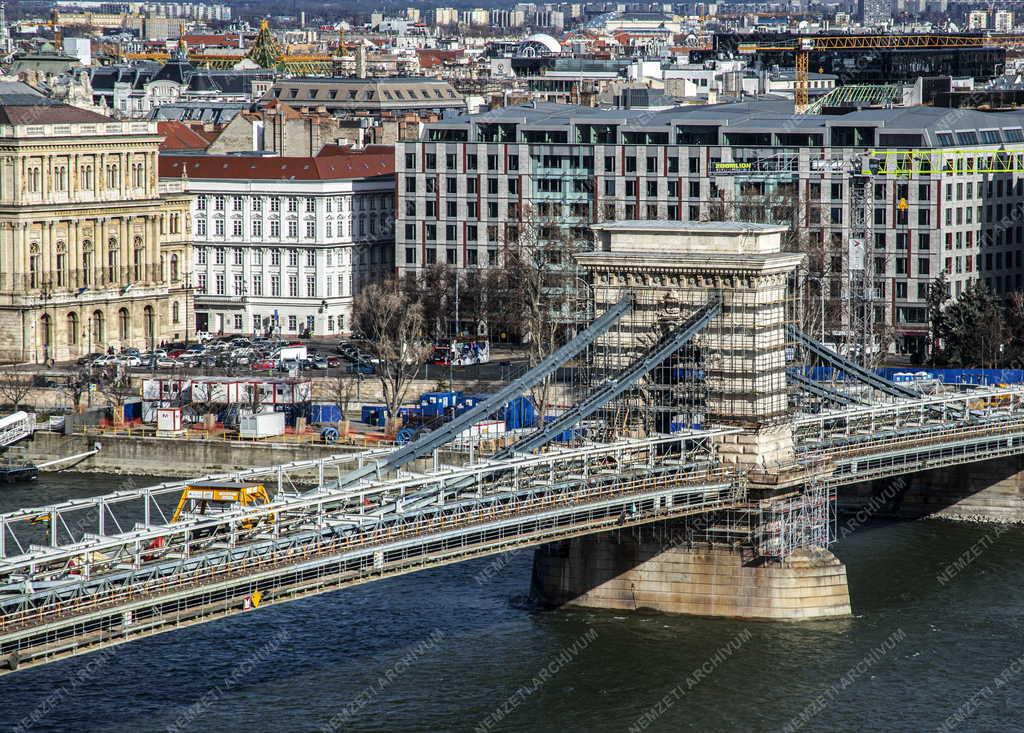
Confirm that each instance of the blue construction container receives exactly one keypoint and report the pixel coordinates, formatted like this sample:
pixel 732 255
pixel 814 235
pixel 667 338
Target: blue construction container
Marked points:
pixel 443 400
pixel 520 413
pixel 371 414
pixel 324 412
pixel 133 409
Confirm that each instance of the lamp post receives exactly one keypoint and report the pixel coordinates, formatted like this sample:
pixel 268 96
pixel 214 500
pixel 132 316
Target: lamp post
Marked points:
pixel 821 299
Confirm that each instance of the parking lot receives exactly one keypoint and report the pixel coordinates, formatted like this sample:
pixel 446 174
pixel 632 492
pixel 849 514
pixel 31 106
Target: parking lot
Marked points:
pixel 239 356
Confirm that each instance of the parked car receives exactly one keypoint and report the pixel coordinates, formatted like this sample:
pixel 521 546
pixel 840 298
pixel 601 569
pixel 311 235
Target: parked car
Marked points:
pixel 362 368
pixel 167 362
pixel 130 360
pixel 333 361
pixel 315 361
pixel 261 364
pixel 286 365
pixel 106 360
pixel 203 336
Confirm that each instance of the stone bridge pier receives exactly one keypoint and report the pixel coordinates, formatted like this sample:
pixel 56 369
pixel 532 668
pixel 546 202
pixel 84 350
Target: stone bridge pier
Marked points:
pixel 673 269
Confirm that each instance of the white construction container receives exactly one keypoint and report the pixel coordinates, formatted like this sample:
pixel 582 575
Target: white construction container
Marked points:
pixel 261 425
pixel 168 420
pixel 483 430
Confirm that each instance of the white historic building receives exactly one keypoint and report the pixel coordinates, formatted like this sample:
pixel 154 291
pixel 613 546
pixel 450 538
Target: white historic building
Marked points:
pixel 283 244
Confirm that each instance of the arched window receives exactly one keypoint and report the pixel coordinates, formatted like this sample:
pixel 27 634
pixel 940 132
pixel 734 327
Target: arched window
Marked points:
pixel 72 329
pixel 98 336
pixel 175 312
pixel 46 332
pixel 174 268
pixel 124 324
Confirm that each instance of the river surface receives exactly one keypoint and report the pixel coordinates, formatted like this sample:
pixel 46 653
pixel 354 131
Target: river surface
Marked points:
pixel 460 649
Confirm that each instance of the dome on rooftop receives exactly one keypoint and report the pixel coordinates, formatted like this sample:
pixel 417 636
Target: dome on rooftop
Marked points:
pixel 539 44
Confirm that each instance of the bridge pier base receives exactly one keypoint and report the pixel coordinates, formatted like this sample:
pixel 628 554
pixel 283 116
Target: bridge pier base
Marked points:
pixel 631 570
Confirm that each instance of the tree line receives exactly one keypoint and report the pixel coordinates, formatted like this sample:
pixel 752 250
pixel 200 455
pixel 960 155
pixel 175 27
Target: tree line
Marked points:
pixel 977 328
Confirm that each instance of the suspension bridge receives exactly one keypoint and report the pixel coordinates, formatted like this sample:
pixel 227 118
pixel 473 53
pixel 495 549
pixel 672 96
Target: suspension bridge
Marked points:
pixel 87 574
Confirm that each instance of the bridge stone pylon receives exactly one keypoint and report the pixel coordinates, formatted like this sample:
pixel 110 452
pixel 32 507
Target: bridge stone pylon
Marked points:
pixel 674 268
pixel 733 566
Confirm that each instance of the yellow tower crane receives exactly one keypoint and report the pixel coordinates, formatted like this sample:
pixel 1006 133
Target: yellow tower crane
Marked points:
pixel 803 46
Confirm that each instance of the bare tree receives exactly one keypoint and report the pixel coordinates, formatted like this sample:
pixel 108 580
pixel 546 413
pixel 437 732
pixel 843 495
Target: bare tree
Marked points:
pixel 537 284
pixel 14 391
pixel 112 384
pixel 75 385
pixel 392 328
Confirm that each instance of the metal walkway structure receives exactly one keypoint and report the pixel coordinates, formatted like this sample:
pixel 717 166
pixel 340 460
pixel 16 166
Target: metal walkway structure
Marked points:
pixel 852 369
pixel 820 390
pixel 446 433
pixel 656 355
pixel 95 589
pixel 16 427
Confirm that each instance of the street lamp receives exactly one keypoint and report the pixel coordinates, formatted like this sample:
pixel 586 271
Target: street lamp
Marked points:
pixel 821 298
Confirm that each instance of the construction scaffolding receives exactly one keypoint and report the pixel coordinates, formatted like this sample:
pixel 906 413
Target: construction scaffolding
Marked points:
pixel 733 371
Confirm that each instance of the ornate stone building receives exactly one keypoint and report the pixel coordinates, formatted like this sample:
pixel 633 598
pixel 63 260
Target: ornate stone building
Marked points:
pixel 92 254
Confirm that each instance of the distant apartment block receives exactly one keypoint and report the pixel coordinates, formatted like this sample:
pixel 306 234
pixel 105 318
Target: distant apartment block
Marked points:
pixel 938 190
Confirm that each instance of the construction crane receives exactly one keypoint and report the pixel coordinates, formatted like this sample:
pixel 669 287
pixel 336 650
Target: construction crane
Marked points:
pixel 803 46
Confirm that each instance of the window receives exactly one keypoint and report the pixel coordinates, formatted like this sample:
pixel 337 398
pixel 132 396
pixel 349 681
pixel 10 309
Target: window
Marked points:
pixel 293 286
pixel 275 285
pixel 310 205
pixel 73 328
pixel 257 227
pixel 236 255
pixel 310 258
pixel 293 323
pixel 293 230
pixel 238 286
pixel 310 230
pixel 293 258
pixel 219 283
pixel 218 228
pixel 236 203
pixel 310 286
pixel 257 284
pixel 293 205
pixel 218 255
pixel 275 229
pixel 218 203
pixel 275 257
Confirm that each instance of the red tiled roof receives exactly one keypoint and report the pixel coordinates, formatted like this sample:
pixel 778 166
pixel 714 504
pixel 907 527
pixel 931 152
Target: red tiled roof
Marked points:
pixel 431 57
pixel 350 164
pixel 47 114
pixel 228 39
pixel 178 136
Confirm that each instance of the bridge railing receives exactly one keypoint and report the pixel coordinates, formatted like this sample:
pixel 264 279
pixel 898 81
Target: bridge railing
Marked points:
pixel 719 487
pixel 833 427
pixel 351 507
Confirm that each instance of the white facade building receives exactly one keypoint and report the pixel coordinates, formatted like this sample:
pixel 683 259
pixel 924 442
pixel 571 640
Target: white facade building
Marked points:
pixel 283 244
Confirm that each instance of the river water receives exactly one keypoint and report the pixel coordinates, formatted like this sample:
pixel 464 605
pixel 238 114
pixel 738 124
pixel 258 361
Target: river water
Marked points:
pixel 460 649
